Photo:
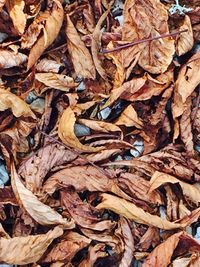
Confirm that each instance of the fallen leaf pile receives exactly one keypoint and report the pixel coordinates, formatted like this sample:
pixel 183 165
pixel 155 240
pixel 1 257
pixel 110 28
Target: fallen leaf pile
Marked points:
pixel 100 133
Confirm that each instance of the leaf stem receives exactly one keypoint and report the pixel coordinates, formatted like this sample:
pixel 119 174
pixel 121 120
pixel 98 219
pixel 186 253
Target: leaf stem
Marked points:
pixel 104 51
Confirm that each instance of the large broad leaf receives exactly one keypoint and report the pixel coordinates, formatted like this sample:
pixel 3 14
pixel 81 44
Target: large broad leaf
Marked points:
pixel 9 59
pixel 40 212
pixel 26 249
pixel 141 21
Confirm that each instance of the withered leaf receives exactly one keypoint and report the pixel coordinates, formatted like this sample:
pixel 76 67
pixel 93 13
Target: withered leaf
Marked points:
pixel 40 212
pixel 35 168
pixel 9 59
pixel 28 249
pixel 50 31
pixel 132 212
pixel 80 55
pixel 190 191
pixel 142 21
pixel 16 11
pixel 67 135
pixel 65 250
pixel 57 81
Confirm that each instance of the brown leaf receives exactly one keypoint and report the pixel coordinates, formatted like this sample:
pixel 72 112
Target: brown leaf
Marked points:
pixel 83 213
pixel 40 212
pixel 187 81
pixel 80 55
pixel 141 22
pixel 9 59
pixel 15 9
pixel 50 31
pixel 57 81
pixel 189 191
pixel 185 40
pixel 129 118
pixel 66 249
pixel 132 212
pixel 67 135
pixel 35 168
pixel 28 249
pixel 48 65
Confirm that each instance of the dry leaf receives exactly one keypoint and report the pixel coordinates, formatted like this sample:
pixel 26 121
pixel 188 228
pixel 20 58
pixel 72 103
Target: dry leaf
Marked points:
pixel 185 40
pixel 67 135
pixel 50 31
pixel 56 81
pixel 48 65
pixel 141 22
pixel 66 249
pixel 189 191
pixel 40 212
pixel 132 212
pixel 80 55
pixel 9 59
pixel 129 118
pixel 16 11
pixel 27 249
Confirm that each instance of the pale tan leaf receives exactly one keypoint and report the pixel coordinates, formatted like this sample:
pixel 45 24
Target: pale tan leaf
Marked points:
pixel 100 126
pixel 57 81
pixel 9 59
pixel 2 3
pixel 80 55
pixel 185 40
pixel 48 65
pixel 15 9
pixel 189 191
pixel 40 212
pixel 129 118
pixel 11 101
pixel 132 212
pixel 187 81
pixel 67 135
pixel 50 32
pixel 28 249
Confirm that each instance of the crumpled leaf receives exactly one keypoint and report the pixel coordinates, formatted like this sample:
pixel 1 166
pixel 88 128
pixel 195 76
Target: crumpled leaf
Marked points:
pixel 26 249
pixel 40 212
pixel 9 59
pixel 187 81
pixel 50 31
pixel 185 40
pixel 98 251
pixel 16 11
pixel 80 55
pixel 141 22
pixel 67 135
pixel 67 247
pixel 132 212
pixel 35 168
pixel 83 213
pixel 161 255
pixel 57 81
pixel 48 65
pixel 190 191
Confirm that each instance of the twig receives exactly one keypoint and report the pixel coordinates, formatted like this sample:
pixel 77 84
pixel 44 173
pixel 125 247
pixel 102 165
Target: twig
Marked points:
pixel 104 51
pixel 104 172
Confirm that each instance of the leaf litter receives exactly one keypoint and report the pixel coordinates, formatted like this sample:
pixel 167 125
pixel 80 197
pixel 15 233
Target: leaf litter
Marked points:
pixel 100 133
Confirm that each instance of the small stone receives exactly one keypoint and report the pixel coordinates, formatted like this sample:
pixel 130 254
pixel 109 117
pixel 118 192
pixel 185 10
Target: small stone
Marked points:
pixel 81 130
